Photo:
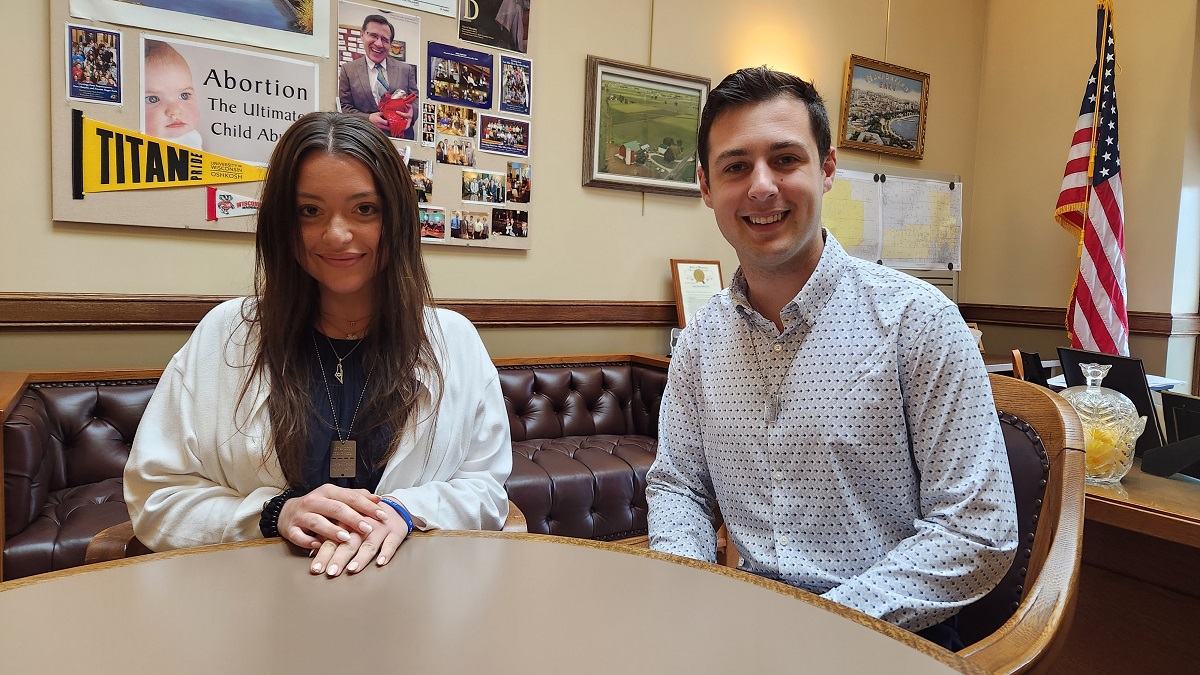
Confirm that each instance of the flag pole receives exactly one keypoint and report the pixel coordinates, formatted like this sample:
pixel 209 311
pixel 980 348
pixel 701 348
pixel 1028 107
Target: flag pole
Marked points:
pixel 1107 6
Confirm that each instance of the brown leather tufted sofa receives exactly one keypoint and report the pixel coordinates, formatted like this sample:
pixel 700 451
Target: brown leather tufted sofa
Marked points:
pixel 583 432
pixel 65 441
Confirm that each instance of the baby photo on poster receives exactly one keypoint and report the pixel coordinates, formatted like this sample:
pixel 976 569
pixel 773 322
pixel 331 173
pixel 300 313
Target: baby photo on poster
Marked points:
pixel 93 65
pixel 226 101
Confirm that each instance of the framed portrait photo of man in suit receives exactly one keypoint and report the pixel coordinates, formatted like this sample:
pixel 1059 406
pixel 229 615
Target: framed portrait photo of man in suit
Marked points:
pixel 377 72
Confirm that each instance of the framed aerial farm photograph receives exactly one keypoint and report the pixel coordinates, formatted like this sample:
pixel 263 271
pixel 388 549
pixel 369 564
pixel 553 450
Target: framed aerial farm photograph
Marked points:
pixel 640 128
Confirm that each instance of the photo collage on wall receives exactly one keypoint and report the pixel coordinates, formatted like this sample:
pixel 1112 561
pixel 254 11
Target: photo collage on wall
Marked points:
pixel 450 81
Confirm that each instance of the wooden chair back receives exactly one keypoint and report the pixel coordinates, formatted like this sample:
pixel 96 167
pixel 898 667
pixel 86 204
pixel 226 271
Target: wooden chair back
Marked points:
pixel 1032 636
pixel 1028 366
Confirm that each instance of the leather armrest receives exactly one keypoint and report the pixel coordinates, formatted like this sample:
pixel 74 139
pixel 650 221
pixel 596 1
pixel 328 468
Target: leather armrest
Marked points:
pixel 114 543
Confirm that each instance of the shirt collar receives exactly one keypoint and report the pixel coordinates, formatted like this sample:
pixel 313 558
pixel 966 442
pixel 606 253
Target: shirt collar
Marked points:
pixel 813 296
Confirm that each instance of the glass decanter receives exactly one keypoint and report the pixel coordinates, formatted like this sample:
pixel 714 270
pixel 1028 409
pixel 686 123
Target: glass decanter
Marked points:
pixel 1111 426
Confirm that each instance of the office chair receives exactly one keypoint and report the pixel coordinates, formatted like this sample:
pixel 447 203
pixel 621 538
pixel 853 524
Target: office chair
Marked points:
pixel 1181 454
pixel 1127 376
pixel 1028 366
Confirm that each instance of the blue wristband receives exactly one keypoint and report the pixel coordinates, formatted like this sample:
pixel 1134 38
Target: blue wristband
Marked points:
pixel 401 510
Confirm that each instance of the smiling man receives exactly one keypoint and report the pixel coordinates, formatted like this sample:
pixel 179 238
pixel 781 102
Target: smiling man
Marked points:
pixel 837 412
pixel 363 81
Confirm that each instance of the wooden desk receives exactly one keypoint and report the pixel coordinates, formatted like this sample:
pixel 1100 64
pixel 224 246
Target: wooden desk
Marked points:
pixel 1166 508
pixel 1138 607
pixel 453 602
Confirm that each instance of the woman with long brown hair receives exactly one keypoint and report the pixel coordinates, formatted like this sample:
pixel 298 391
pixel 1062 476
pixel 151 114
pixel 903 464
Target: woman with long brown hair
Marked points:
pixel 336 407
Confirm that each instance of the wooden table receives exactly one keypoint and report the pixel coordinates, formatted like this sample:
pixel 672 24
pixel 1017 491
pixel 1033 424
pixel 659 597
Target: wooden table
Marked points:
pixel 1138 608
pixel 451 602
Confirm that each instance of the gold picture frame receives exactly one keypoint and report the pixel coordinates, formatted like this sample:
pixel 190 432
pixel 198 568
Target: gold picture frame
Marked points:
pixel 640 128
pixel 695 282
pixel 884 107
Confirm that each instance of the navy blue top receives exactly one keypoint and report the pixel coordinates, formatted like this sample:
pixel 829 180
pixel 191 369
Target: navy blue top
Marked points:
pixel 345 396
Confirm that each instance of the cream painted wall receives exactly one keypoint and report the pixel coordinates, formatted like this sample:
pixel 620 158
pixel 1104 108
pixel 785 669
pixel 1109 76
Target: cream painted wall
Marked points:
pixel 626 238
pixel 1034 70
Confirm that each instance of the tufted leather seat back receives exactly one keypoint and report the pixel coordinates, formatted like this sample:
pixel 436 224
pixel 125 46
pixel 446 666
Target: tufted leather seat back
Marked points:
pixel 583 439
pixel 1031 471
pixel 65 448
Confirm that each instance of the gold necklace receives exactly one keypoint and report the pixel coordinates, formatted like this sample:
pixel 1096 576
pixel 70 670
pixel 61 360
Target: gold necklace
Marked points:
pixel 337 372
pixel 353 333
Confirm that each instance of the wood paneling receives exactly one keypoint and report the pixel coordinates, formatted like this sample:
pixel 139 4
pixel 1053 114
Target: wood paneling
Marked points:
pixel 75 311
pixel 1137 606
pixel 1156 324
pixel 41 311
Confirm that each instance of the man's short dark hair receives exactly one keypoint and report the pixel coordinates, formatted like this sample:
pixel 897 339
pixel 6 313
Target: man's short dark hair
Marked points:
pixel 756 85
pixel 380 19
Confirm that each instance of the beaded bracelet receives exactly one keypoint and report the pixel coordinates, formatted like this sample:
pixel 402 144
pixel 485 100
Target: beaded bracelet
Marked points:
pixel 268 523
pixel 401 510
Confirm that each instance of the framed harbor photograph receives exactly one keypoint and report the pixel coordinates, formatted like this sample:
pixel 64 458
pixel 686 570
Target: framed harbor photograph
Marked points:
pixel 884 108
pixel 640 128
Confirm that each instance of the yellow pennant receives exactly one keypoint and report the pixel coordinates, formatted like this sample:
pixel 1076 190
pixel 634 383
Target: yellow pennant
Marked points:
pixel 107 158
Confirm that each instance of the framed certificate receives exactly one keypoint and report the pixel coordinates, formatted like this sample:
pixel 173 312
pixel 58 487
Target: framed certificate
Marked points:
pixel 696 281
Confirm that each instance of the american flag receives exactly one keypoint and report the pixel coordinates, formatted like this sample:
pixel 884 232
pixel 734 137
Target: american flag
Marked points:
pixel 1091 208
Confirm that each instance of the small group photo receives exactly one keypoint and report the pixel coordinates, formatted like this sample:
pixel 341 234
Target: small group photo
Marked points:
pixel 482 187
pixel 518 184
pixel 504 136
pixel 516 85
pixel 455 150
pixel 456 120
pixel 421 171
pixel 433 223
pixel 94 63
pixel 469 225
pixel 510 223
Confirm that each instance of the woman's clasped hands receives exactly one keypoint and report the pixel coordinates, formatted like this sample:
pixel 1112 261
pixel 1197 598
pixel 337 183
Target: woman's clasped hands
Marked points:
pixel 345 529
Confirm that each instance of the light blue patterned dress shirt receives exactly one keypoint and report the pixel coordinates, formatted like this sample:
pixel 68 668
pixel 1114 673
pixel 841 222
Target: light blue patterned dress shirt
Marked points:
pixel 856 455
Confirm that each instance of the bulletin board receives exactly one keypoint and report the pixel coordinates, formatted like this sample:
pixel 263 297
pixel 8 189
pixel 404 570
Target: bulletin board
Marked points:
pixel 137 141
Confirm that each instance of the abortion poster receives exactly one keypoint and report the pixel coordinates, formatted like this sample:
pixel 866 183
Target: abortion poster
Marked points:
pixel 229 102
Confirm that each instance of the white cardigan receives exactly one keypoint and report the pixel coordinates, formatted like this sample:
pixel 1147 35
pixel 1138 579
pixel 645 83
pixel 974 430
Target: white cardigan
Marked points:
pixel 197 474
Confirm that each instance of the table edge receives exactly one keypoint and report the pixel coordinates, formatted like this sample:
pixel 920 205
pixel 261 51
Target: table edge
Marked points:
pixel 944 656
